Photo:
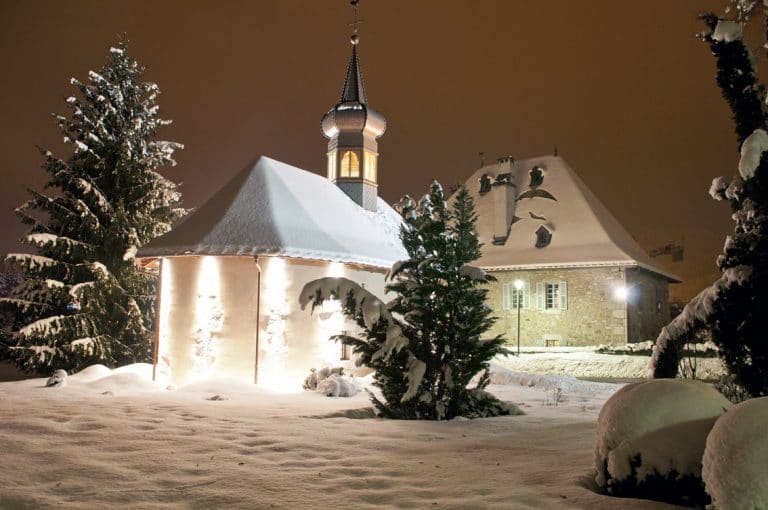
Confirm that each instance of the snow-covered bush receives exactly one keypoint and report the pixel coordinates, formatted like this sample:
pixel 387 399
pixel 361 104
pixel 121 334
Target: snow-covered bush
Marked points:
pixel 735 465
pixel 731 390
pixel 337 385
pixel 331 382
pixel 82 300
pixel 427 344
pixel 651 437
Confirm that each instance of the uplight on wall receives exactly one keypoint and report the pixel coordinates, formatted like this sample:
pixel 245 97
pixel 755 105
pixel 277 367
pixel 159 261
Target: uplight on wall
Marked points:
pixel 209 317
pixel 273 344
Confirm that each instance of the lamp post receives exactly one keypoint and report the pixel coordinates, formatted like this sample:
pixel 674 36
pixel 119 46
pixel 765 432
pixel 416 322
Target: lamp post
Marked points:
pixel 519 298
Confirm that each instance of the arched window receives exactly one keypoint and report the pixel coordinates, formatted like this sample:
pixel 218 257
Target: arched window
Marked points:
pixel 350 165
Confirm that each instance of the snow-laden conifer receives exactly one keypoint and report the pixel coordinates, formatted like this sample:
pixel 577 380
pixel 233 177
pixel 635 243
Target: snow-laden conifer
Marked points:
pixel 82 300
pixel 734 307
pixel 428 344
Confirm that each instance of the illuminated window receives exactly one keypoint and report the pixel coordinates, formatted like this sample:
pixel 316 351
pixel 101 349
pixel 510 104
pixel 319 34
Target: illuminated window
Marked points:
pixel 350 165
pixel 332 166
pixel 369 169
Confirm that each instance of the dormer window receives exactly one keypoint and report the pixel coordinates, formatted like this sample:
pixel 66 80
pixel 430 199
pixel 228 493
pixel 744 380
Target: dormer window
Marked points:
pixel 537 176
pixel 543 237
pixel 350 164
pixel 485 184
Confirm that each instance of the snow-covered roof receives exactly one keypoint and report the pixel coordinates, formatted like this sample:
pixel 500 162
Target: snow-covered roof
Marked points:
pixel 584 232
pixel 271 208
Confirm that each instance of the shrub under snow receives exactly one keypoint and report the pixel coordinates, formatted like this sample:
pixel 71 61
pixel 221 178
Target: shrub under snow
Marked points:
pixel 651 437
pixel 735 465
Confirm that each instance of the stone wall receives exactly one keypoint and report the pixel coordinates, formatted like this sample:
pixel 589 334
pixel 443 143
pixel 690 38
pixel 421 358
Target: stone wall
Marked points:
pixel 593 315
pixel 647 305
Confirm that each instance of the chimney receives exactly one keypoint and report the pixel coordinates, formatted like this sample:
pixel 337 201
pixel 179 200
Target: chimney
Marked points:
pixel 504 192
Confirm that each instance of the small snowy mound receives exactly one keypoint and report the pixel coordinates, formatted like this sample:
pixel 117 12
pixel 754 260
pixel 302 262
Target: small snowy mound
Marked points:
pixel 651 437
pixel 735 465
pixel 91 373
pixel 57 380
pixel 337 386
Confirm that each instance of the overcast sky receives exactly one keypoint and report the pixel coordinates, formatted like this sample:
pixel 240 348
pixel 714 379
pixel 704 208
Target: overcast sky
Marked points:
pixel 623 89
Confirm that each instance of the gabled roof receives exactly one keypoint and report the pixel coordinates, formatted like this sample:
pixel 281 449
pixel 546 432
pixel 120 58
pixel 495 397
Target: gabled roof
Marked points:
pixel 584 232
pixel 353 83
pixel 271 208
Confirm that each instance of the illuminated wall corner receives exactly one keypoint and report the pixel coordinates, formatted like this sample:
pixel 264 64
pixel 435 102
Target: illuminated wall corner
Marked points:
pixel 163 368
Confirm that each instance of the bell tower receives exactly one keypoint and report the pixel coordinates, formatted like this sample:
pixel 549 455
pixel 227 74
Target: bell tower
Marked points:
pixel 352 128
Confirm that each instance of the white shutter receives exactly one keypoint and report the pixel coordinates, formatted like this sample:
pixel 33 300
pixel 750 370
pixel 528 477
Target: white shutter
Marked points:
pixel 563 296
pixel 540 297
pixel 527 294
pixel 505 297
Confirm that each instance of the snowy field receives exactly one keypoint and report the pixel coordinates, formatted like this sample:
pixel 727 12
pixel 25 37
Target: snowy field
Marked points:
pixel 113 439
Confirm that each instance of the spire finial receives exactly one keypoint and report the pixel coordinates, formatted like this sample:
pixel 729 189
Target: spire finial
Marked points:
pixel 354 39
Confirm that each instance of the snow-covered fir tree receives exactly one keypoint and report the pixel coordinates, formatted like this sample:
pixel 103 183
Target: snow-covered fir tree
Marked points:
pixel 734 307
pixel 427 345
pixel 82 300
pixel 10 278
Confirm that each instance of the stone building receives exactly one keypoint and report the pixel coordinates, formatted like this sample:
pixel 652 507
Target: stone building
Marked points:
pixel 582 279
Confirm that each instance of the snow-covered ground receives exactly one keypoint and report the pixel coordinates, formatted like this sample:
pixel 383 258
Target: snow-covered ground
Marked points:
pixel 586 362
pixel 114 439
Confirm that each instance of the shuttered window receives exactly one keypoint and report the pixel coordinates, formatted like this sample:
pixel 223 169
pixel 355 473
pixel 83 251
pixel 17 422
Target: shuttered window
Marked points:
pixel 510 295
pixel 552 295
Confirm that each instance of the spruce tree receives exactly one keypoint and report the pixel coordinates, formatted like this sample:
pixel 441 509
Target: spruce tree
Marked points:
pixel 733 308
pixel 82 300
pixel 426 345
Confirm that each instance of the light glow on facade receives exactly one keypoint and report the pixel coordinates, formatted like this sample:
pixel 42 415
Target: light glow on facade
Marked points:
pixel 273 344
pixel 209 317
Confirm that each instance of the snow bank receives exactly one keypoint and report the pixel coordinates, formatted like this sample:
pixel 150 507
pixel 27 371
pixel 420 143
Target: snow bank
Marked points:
pixel 565 383
pixel 651 436
pixel 735 465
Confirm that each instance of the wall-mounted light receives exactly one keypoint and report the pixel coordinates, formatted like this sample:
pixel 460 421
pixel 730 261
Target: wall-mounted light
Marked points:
pixel 621 293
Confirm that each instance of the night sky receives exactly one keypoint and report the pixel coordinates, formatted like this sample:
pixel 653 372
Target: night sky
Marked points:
pixel 623 89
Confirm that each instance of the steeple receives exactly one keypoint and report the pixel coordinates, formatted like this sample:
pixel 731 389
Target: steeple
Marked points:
pixel 352 128
pixel 353 84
